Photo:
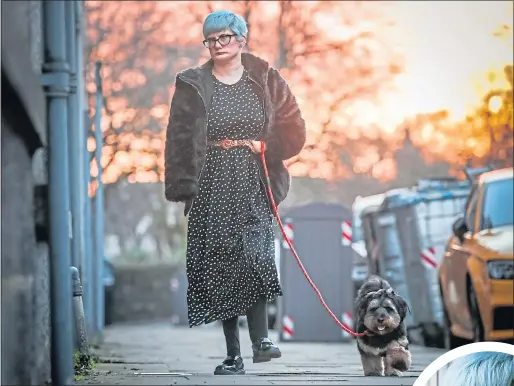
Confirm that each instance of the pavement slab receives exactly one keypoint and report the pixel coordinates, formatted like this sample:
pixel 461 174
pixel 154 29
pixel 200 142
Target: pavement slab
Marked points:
pixel 163 354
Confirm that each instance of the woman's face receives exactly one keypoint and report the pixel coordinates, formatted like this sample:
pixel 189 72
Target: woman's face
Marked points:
pixel 223 46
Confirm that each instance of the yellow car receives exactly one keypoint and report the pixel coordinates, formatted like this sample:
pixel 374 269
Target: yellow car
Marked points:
pixel 476 276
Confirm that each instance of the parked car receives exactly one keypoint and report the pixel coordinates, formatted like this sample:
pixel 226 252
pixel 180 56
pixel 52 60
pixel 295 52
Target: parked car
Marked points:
pixel 476 278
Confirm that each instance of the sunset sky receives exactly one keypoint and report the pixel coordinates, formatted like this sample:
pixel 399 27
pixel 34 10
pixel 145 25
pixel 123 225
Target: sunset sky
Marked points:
pixel 448 47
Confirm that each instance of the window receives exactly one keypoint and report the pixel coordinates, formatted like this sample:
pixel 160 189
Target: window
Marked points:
pixel 471 209
pixel 474 187
pixel 498 209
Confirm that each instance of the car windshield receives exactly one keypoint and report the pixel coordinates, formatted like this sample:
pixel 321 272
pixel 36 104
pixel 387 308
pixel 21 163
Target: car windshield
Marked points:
pixel 498 204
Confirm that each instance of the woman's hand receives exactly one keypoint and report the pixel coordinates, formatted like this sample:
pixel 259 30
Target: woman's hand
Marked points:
pixel 256 146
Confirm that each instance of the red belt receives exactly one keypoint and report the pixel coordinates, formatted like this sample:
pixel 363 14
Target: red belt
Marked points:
pixel 230 143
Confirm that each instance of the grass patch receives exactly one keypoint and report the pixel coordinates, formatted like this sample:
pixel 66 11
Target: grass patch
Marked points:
pixel 83 364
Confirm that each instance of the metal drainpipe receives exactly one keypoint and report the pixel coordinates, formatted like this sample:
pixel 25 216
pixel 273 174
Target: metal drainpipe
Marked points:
pixel 89 289
pixel 99 206
pixel 73 143
pixel 83 159
pixel 55 80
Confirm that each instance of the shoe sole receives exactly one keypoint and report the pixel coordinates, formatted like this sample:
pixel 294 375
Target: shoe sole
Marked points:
pixel 227 372
pixel 267 358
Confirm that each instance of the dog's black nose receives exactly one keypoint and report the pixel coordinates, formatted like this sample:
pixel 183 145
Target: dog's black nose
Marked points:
pixel 380 320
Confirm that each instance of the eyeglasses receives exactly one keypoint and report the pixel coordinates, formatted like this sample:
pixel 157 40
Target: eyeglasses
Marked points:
pixel 222 39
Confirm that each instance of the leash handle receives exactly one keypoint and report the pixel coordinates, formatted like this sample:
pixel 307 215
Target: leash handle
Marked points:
pixel 304 271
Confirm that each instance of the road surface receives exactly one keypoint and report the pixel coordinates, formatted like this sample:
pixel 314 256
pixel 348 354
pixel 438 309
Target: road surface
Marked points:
pixel 161 354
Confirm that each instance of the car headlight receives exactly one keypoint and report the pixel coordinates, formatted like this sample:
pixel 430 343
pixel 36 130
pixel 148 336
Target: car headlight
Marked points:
pixel 501 269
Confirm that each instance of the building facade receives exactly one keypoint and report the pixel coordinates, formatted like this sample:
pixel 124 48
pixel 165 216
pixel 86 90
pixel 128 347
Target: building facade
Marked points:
pixel 25 317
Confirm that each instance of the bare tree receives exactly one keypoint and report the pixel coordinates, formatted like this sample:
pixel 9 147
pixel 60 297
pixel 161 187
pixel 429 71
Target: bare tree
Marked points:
pixel 142 45
pixel 139 46
pixel 341 65
pixel 329 69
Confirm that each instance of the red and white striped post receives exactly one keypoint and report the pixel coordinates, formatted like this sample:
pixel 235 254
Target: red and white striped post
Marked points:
pixel 347 320
pixel 428 258
pixel 287 328
pixel 346 233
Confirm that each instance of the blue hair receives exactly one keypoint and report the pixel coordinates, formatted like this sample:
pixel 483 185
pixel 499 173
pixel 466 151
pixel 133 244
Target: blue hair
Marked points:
pixel 222 20
pixel 482 368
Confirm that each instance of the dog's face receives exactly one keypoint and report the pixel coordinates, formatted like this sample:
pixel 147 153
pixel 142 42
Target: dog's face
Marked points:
pixel 384 313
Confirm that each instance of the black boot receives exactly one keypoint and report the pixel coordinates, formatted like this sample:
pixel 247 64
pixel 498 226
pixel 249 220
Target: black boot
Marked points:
pixel 264 350
pixel 231 366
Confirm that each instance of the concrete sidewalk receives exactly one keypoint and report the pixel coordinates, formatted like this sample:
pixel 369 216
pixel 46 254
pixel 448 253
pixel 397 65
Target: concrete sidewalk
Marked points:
pixel 160 354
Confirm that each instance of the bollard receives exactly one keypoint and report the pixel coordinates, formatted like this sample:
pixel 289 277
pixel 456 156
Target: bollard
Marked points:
pixel 78 312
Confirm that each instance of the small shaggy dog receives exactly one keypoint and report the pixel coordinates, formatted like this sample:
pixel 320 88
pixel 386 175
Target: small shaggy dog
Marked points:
pixel 380 311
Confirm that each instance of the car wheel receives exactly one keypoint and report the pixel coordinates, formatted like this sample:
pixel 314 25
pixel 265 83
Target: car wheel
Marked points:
pixel 450 341
pixel 476 320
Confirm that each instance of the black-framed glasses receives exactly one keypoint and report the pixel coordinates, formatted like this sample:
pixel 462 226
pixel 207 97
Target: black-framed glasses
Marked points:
pixel 222 39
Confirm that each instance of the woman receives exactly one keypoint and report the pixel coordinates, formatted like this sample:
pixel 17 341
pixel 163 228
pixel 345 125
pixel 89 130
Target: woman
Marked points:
pixel 230 253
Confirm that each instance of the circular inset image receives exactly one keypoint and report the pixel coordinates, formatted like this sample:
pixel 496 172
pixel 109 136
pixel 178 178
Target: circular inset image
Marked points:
pixel 476 364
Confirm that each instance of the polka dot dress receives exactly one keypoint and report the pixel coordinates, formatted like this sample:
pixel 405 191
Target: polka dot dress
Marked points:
pixel 230 251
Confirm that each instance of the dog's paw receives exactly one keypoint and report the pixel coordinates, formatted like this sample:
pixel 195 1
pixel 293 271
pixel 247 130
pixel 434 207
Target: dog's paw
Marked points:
pixel 398 359
pixel 401 365
pixel 373 374
pixel 393 373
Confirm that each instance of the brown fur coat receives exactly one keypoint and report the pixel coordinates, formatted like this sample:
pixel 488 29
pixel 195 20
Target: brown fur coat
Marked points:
pixel 186 135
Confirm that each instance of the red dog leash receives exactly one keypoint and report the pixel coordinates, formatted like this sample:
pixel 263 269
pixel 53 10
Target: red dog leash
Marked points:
pixel 275 210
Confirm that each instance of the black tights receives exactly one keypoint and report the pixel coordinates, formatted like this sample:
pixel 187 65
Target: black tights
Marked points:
pixel 257 316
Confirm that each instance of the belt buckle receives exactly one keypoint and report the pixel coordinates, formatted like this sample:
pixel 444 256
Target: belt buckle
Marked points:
pixel 226 144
